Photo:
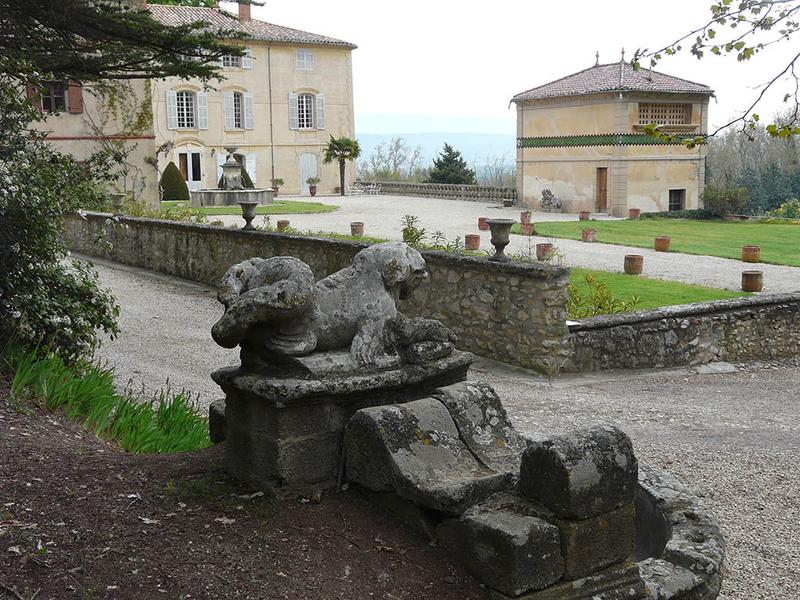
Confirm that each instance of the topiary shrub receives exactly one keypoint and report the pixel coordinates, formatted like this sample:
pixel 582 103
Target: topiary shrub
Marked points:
pixel 173 185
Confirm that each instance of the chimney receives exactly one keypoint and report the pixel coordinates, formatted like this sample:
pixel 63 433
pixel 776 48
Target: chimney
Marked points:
pixel 244 10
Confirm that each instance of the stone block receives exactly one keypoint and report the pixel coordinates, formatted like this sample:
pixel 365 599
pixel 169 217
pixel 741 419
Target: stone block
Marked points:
pixel 506 551
pixel 589 545
pixel 414 449
pixel 483 425
pixel 582 474
pixel 619 582
pixel 216 421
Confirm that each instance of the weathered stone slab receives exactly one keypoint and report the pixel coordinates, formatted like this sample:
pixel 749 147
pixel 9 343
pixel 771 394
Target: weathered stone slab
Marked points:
pixel 216 421
pixel 582 474
pixel 414 449
pixel 506 551
pixel 589 545
pixel 620 582
pixel 483 425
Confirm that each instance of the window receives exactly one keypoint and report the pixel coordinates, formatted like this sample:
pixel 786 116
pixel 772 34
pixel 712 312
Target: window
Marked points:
pixel 185 110
pixel 677 199
pixel 229 60
pixel 54 96
pixel 665 114
pixel 305 111
pixel 238 110
pixel 304 61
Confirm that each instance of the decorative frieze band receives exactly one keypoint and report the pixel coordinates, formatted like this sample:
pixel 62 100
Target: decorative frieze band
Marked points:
pixel 600 139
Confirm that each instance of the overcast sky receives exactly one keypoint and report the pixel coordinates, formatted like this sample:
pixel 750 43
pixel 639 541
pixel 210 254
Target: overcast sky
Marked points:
pixel 452 65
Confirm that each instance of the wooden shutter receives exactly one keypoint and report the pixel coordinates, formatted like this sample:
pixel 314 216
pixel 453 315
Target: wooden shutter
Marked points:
pixel 320 111
pixel 249 117
pixel 74 97
pixel 247 59
pixel 294 117
pixel 172 109
pixel 221 156
pixel 34 95
pixel 202 110
pixel 250 165
pixel 227 105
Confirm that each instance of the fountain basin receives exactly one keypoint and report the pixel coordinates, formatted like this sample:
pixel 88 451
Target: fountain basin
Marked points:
pixel 218 197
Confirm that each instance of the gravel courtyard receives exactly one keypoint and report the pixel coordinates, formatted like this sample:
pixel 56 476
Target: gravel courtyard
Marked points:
pixel 735 437
pixel 383 215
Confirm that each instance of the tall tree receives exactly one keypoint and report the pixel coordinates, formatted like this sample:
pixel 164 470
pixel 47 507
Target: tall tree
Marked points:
pixel 450 167
pixel 88 40
pixel 744 28
pixel 341 149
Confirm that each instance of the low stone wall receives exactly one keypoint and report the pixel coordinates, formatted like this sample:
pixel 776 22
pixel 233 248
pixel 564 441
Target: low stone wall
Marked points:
pixel 754 327
pixel 475 193
pixel 511 312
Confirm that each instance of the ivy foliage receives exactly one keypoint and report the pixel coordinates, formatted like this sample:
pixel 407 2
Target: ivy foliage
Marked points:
pixel 450 167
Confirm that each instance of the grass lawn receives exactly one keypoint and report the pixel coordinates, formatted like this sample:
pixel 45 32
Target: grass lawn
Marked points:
pixel 780 242
pixel 279 207
pixel 652 293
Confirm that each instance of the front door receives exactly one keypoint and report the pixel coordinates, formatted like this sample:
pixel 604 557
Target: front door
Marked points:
pixel 308 168
pixel 602 189
pixel 189 162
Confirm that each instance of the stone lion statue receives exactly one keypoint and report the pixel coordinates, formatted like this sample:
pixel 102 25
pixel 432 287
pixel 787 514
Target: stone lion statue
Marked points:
pixel 274 309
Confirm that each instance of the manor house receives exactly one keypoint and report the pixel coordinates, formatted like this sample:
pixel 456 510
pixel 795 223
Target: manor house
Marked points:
pixel 279 104
pixel 582 137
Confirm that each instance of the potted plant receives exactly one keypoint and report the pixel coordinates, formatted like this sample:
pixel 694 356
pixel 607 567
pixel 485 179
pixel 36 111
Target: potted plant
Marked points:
pixel 276 183
pixel 312 185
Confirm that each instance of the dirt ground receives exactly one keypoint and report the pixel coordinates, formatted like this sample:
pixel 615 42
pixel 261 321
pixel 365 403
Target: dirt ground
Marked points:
pixel 80 519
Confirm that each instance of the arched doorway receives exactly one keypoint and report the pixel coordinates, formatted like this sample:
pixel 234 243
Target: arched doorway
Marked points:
pixel 189 159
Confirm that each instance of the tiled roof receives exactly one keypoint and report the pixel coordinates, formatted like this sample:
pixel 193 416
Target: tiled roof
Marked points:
pixel 259 30
pixel 614 77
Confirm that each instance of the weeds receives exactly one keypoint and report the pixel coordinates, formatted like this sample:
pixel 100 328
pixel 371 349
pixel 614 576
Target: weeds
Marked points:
pixel 598 301
pixel 167 422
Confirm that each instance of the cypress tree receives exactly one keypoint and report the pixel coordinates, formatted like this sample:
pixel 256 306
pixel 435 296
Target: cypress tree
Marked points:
pixel 173 185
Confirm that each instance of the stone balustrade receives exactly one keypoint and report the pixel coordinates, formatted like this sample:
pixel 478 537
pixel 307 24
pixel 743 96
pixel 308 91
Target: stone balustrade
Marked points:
pixel 473 193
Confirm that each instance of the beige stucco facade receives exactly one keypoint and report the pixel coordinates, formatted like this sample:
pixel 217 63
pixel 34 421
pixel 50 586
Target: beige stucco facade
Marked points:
pixel 273 143
pixel 571 145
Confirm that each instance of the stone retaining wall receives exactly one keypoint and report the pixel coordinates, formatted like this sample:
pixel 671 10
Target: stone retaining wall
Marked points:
pixel 475 193
pixel 750 328
pixel 511 312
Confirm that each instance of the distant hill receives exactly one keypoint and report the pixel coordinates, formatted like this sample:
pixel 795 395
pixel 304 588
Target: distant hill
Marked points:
pixel 474 147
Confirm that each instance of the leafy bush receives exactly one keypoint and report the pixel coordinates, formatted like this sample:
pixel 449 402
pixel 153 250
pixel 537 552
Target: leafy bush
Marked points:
pixel 699 214
pixel 598 301
pixel 173 185
pixel 723 201
pixel 413 234
pixel 45 297
pixel 171 212
pixel 790 209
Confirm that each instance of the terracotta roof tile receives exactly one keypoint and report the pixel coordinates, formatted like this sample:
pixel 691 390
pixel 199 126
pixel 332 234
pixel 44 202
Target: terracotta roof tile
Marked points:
pixel 256 29
pixel 614 77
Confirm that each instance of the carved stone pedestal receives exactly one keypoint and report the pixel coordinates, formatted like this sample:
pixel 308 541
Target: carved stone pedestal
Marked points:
pixel 287 431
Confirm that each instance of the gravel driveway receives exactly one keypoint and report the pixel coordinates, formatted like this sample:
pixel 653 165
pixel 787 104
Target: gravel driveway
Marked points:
pixel 735 437
pixel 383 215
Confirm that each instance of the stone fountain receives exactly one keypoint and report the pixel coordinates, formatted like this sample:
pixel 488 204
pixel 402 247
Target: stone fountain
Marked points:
pixel 231 190
pixel 336 385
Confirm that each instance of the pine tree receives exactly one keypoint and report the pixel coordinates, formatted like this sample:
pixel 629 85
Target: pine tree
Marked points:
pixel 451 167
pixel 173 185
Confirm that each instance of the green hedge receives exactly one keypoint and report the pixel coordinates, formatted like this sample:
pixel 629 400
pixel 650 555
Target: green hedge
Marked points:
pixel 699 214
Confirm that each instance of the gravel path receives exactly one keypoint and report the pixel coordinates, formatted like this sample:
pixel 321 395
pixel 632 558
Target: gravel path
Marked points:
pixel 734 437
pixel 382 217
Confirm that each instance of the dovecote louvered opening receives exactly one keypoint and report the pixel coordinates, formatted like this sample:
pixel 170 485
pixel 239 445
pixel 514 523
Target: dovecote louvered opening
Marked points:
pixel 665 114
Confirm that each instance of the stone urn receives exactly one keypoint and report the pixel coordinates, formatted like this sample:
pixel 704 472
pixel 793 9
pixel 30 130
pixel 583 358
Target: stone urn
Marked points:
pixel 752 281
pixel 248 212
pixel 751 254
pixel 634 213
pixel 117 203
pixel 283 225
pixel 589 235
pixel 633 264
pixel 482 224
pixel 584 215
pixel 526 228
pixel 357 228
pixel 501 231
pixel 544 251
pixel 662 243
pixel 472 241
pixel 525 216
